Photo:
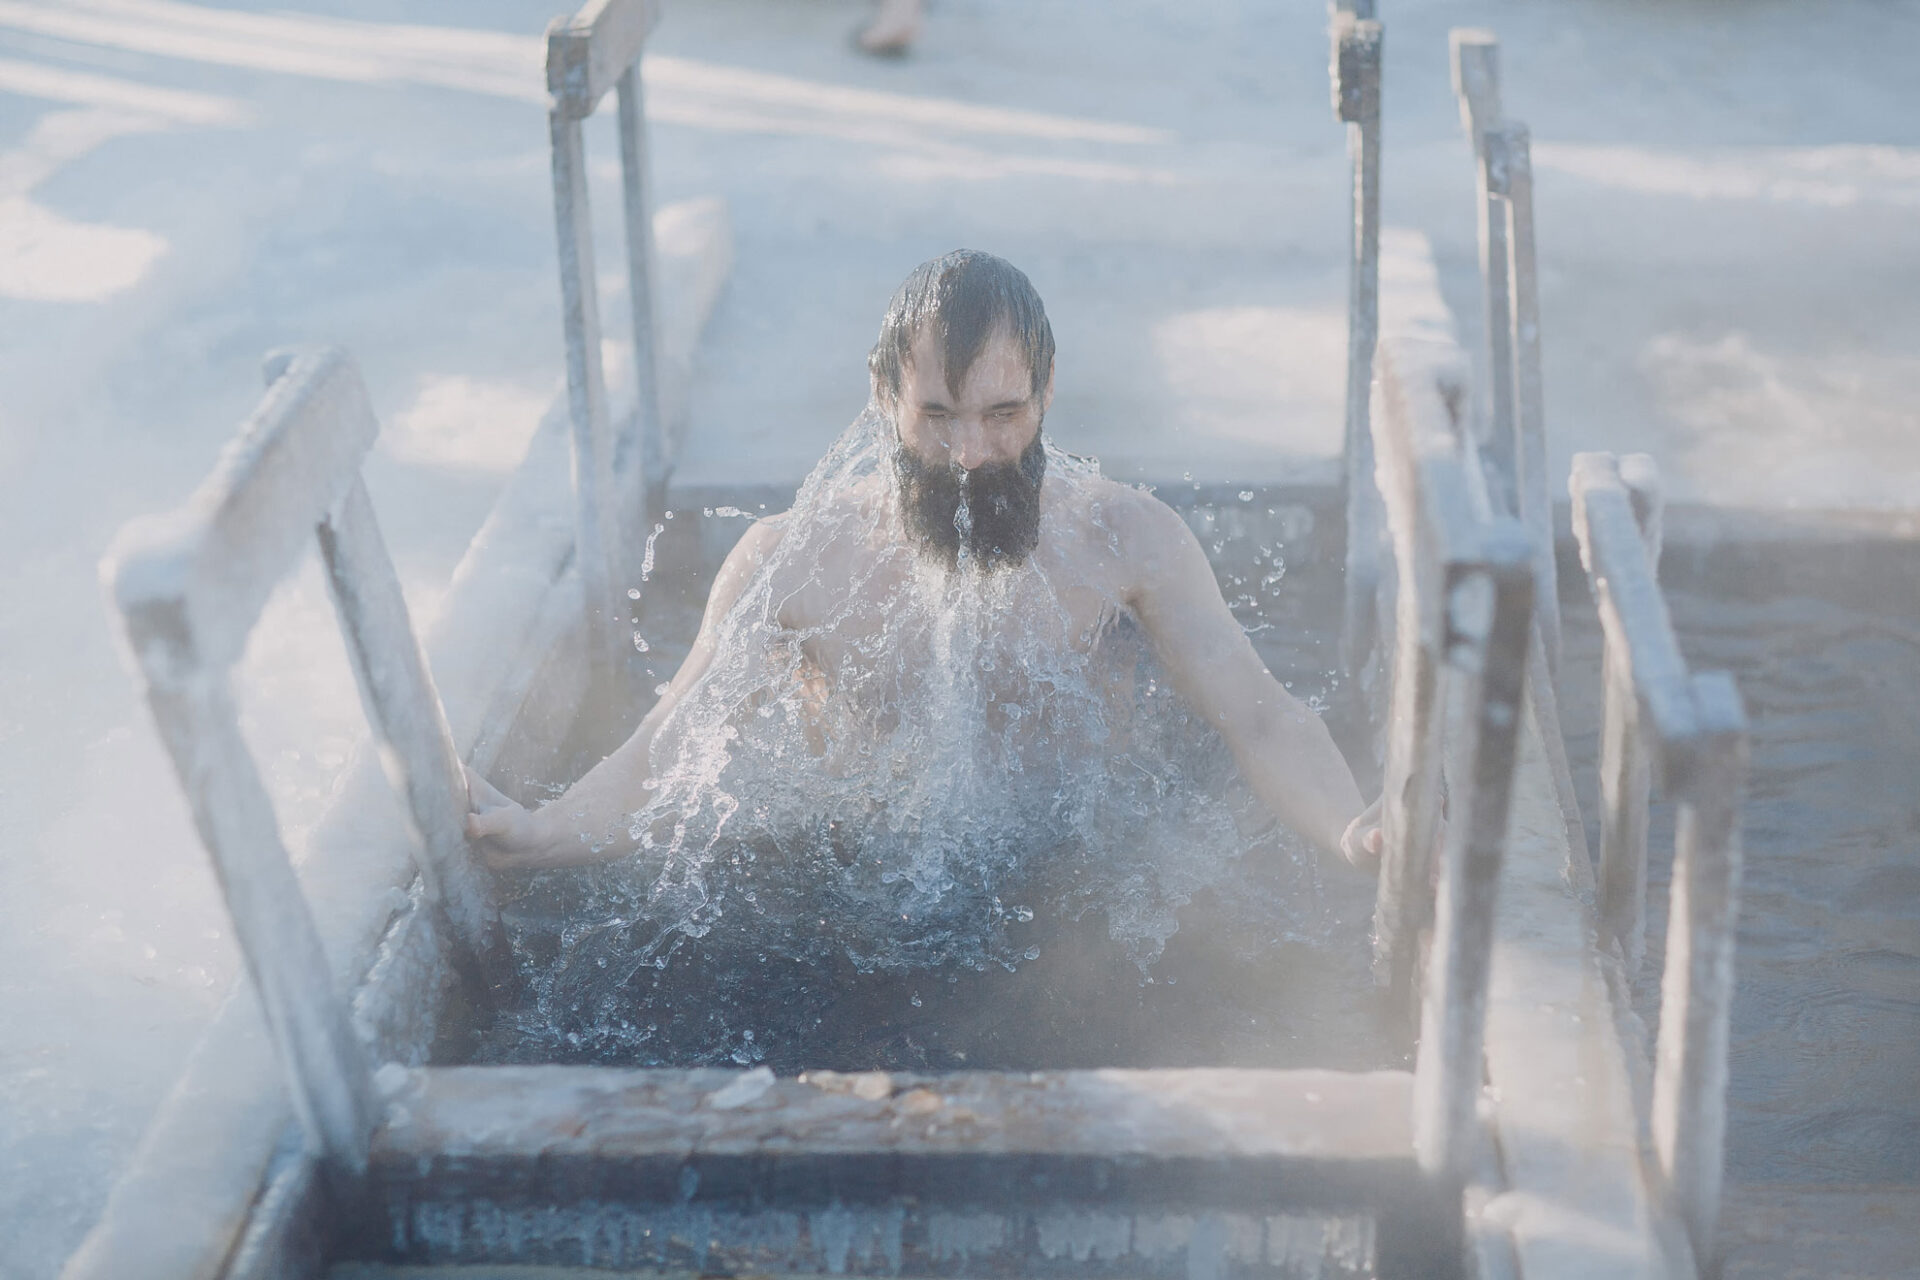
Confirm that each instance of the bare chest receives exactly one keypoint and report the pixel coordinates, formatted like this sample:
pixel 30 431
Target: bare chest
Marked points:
pixel 1016 645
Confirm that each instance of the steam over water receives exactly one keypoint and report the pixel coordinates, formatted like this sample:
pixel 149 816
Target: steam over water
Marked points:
pixel 994 796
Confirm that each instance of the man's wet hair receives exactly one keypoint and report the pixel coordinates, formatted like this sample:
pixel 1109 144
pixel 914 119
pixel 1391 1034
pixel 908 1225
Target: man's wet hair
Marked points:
pixel 967 294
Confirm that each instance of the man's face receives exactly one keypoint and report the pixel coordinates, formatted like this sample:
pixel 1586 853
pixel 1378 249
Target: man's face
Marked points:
pixel 970 463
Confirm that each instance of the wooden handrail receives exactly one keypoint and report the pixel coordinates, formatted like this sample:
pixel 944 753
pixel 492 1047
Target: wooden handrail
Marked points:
pixel 1355 71
pixel 1687 732
pixel 1506 162
pixel 620 468
pixel 590 52
pixel 190 586
pixel 1464 601
pixel 1474 56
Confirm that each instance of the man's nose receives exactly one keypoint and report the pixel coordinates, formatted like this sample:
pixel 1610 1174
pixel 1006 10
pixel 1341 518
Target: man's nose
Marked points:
pixel 970 447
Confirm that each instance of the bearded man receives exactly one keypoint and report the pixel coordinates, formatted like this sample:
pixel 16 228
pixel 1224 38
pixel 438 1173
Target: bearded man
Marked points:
pixel 1038 566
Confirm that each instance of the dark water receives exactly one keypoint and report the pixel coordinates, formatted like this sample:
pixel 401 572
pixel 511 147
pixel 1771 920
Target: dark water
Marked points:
pixel 1236 986
pixel 1824 1123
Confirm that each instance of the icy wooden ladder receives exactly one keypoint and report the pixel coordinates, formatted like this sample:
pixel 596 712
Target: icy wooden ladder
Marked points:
pixel 1689 731
pixel 190 587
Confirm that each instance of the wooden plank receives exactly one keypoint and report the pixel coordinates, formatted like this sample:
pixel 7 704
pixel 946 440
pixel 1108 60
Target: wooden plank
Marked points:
pixel 1475 60
pixel 452 1116
pixel 589 52
pixel 417 749
pixel 1162 1173
pixel 597 547
pixel 1356 89
pixel 904 1241
pixel 1689 1114
pixel 467 1152
pixel 1576 1200
pixel 1509 176
pixel 192 582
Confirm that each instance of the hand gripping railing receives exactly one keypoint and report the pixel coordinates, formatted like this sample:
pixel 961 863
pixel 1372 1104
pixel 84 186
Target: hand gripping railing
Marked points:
pixel 1511 410
pixel 1464 597
pixel 620 469
pixel 1688 732
pixel 1355 69
pixel 190 587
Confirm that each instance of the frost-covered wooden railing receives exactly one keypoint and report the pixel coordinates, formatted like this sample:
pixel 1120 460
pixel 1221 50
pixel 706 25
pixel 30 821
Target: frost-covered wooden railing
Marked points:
pixel 1688 731
pixel 1463 600
pixel 1511 412
pixel 190 587
pixel 620 468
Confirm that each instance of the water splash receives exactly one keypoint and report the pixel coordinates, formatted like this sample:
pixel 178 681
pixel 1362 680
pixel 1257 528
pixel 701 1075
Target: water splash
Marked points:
pixel 904 768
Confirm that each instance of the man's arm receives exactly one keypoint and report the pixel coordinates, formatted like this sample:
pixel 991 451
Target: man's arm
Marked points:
pixel 1283 750
pixel 590 823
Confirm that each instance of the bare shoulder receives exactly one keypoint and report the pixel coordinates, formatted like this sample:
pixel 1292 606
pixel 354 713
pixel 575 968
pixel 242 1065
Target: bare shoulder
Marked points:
pixel 1149 537
pixel 1110 512
pixel 761 537
pixel 748 554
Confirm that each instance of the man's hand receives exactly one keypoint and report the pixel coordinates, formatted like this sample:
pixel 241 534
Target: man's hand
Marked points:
pixel 503 833
pixel 1364 838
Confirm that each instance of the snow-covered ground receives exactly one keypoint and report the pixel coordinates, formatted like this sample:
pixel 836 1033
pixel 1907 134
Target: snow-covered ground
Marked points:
pixel 1729 214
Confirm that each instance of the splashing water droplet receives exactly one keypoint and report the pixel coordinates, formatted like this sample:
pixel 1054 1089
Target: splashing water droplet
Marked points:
pixel 646 561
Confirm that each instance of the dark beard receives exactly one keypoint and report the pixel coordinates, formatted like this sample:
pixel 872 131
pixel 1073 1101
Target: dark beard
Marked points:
pixel 1001 523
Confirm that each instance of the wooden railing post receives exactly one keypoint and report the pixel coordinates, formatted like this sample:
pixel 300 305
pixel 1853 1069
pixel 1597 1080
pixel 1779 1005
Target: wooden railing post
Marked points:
pixel 1689 1119
pixel 595 51
pixel 1475 57
pixel 1507 172
pixel 1356 100
pixel 415 740
pixel 598 536
pixel 327 1074
pixel 1613 518
pixel 636 188
pixel 1488 618
pixel 1412 432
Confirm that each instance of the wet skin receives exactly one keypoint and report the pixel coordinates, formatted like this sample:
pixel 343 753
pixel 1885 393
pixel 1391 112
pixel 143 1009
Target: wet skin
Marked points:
pixel 1104 549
